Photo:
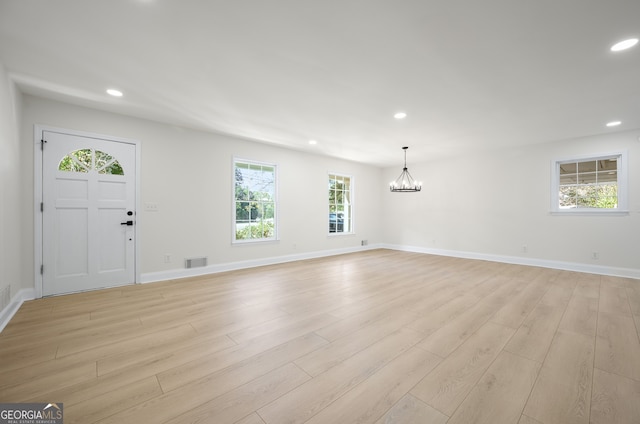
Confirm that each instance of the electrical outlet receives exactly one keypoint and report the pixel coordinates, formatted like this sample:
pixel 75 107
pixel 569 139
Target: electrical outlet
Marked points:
pixel 525 248
pixel 364 242
pixel 167 258
pixel 151 207
pixel 595 256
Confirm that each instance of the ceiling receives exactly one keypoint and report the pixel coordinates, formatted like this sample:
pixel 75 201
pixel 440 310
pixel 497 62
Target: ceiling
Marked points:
pixel 471 75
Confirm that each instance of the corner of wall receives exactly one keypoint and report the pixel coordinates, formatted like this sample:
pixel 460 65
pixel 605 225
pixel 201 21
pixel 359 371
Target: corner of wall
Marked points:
pixel 10 310
pixel 11 198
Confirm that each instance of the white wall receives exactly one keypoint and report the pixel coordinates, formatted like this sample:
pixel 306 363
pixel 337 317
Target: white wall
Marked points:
pixel 486 205
pixel 188 174
pixel 11 187
pixel 492 204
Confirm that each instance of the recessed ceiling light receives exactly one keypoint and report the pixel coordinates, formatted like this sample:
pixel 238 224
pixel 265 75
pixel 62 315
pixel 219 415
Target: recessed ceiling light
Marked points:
pixel 400 115
pixel 613 123
pixel 115 93
pixel 313 142
pixel 624 45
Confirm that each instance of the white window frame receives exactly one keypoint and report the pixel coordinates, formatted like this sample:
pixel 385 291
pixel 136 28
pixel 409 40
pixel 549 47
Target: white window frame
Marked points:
pixel 275 237
pixel 622 170
pixel 352 190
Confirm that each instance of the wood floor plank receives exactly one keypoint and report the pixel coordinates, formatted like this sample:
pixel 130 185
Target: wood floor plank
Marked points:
pixel 164 356
pixel 22 358
pixel 452 334
pixel 369 400
pixel 344 327
pixel 450 382
pixel 528 420
pixel 410 410
pixel 148 306
pixel 280 324
pixel 27 389
pixel 409 301
pixel 378 299
pixel 587 287
pixel 562 393
pixel 93 388
pixel 191 371
pixel 614 300
pixel 581 316
pixel 514 312
pixel 38 337
pixel 42 370
pixel 559 295
pixel 96 348
pixel 321 360
pixel 251 419
pixel 432 320
pixel 123 377
pixel 42 323
pixel 307 400
pixel 500 395
pixel 181 399
pixel 613 281
pixel 243 367
pixel 237 403
pixel 533 338
pixel 616 352
pixel 94 409
pixel 218 313
pixel 234 321
pixel 614 399
pixel 633 294
pixel 142 344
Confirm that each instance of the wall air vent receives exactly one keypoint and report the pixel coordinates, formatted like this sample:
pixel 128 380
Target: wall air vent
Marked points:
pixel 195 262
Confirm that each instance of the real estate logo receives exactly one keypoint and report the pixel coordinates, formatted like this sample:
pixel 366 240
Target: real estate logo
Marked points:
pixel 31 413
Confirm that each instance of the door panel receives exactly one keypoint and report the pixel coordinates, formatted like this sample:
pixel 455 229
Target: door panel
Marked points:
pixel 112 242
pixel 71 250
pixel 88 190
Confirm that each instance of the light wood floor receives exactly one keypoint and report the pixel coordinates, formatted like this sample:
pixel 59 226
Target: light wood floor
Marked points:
pixel 373 337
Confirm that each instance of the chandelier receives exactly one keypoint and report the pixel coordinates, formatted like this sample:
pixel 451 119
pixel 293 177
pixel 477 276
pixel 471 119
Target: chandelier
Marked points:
pixel 405 182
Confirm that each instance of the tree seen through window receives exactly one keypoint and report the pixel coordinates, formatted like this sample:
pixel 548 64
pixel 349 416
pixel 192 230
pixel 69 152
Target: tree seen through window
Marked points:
pixel 255 201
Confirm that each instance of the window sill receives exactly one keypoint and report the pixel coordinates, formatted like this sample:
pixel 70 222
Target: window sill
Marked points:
pixel 590 212
pixel 340 234
pixel 254 242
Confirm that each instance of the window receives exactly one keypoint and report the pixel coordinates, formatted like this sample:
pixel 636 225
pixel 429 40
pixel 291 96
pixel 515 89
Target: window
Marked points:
pixel 254 201
pixel 590 184
pixel 86 160
pixel 340 204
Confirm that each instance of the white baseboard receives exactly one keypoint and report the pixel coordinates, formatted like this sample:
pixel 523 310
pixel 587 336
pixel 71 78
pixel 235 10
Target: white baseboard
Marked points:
pixel 29 294
pixel 543 263
pixel 7 313
pixel 172 274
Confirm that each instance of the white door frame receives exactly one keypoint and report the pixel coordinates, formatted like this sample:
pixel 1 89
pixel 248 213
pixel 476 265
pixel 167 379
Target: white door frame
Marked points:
pixel 37 182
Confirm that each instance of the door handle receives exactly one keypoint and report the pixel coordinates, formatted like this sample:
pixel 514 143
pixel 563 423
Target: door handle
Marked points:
pixel 127 223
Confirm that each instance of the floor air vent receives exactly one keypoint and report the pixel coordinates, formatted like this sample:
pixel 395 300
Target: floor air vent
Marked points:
pixel 195 262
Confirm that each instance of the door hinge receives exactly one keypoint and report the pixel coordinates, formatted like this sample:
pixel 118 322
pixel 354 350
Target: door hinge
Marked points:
pixel 42 143
pixel 41 206
pixel 41 269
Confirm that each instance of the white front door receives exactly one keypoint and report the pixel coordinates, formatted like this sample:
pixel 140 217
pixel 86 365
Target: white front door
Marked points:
pixel 89 198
